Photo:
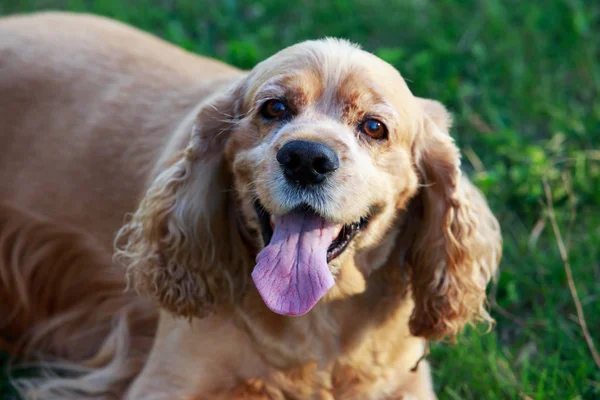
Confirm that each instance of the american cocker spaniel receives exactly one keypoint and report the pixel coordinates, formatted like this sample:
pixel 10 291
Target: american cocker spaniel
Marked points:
pixel 297 231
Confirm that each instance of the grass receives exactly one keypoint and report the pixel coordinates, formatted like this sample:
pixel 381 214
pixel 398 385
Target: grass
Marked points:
pixel 523 81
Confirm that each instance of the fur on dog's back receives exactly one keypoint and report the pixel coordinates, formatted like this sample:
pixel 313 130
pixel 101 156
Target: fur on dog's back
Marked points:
pixel 136 90
pixel 87 107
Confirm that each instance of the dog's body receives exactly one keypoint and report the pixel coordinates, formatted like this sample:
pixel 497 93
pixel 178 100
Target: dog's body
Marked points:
pixel 50 65
pixel 91 113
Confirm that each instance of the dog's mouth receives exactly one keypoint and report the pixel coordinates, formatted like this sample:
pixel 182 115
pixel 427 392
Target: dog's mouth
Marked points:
pixel 291 271
pixel 337 246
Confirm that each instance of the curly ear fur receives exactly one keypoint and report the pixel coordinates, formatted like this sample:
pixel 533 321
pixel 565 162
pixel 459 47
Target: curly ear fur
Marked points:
pixel 177 246
pixel 457 247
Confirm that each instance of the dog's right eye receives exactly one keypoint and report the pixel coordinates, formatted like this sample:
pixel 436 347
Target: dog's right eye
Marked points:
pixel 274 109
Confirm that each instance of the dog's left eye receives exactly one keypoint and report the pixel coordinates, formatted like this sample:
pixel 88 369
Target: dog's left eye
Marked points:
pixel 374 129
pixel 274 109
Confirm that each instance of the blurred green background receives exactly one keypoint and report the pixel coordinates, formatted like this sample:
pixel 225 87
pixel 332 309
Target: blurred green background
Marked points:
pixel 523 81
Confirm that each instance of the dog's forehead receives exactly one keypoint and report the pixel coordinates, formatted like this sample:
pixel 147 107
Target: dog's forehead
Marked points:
pixel 329 68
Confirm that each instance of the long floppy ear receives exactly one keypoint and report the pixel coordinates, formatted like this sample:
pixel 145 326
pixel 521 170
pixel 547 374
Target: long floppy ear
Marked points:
pixel 457 246
pixel 181 246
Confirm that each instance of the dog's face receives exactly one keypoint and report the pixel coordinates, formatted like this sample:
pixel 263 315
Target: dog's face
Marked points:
pixel 322 162
pixel 311 160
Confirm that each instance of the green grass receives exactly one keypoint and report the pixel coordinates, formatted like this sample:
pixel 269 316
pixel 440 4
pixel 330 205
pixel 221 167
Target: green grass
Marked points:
pixel 523 81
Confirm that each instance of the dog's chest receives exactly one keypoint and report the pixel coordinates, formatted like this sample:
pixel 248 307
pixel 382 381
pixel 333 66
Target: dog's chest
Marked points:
pixel 330 358
pixel 347 379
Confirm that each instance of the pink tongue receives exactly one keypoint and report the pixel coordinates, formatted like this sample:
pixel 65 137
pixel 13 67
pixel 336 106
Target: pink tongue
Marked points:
pixel 291 273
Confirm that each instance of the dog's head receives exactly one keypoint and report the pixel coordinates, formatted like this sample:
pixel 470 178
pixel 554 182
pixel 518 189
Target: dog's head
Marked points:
pixel 310 160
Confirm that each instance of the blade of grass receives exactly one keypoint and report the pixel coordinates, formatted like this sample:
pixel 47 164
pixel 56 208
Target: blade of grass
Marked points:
pixel 565 259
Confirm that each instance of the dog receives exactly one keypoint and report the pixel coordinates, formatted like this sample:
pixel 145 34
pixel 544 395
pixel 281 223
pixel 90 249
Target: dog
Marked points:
pixel 297 231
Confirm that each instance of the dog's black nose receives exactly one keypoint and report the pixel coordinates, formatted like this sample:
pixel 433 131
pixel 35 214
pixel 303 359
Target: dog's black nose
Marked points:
pixel 307 162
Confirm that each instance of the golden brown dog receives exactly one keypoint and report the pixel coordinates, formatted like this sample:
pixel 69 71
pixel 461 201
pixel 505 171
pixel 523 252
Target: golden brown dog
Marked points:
pixel 303 227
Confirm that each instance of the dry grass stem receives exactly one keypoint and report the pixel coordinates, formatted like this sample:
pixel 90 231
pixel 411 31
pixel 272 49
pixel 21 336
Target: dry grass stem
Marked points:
pixel 565 259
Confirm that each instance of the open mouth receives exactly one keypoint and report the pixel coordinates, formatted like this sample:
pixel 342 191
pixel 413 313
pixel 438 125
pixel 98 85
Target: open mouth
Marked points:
pixel 339 243
pixel 292 272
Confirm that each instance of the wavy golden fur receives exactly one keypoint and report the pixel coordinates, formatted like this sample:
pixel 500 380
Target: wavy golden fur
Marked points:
pixel 113 122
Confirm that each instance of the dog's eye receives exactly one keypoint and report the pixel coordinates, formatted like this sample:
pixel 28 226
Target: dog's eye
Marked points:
pixel 374 129
pixel 274 109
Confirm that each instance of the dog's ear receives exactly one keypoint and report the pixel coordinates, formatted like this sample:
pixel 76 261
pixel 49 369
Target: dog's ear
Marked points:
pixel 181 246
pixel 457 245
